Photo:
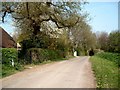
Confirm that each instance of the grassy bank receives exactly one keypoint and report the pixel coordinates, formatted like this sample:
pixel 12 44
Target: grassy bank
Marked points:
pixel 9 70
pixel 106 68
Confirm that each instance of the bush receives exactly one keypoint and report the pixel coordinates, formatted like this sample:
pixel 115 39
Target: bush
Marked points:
pixel 114 57
pixel 9 54
pixel 39 55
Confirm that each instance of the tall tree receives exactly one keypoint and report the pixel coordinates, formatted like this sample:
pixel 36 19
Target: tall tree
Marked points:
pixel 114 41
pixel 103 41
pixel 30 15
pixel 83 38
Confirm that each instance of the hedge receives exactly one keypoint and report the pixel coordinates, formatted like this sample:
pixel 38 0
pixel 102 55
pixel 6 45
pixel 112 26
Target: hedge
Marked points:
pixel 9 54
pixel 40 55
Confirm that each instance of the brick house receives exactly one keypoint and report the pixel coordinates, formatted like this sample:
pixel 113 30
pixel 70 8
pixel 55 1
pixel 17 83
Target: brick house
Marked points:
pixel 6 41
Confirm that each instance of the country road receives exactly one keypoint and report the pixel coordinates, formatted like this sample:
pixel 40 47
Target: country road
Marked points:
pixel 73 73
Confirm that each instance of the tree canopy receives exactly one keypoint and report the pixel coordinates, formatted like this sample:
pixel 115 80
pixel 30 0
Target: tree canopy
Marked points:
pixel 41 24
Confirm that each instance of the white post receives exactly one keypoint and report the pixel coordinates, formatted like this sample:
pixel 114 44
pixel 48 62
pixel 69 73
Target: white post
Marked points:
pixel 12 63
pixel 75 53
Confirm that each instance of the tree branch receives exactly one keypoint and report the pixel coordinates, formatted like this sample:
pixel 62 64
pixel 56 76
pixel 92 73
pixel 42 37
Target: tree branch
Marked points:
pixel 5 11
pixel 27 8
pixel 4 16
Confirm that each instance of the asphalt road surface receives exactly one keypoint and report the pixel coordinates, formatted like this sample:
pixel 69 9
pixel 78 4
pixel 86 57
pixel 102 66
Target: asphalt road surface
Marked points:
pixel 73 73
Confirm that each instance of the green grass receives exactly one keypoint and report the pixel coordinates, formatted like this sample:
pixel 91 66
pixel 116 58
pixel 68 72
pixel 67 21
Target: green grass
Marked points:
pixel 106 68
pixel 6 71
pixel 0 70
pixel 9 70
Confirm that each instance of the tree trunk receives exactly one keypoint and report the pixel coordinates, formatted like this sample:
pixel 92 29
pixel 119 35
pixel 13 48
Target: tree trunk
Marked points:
pixel 36 29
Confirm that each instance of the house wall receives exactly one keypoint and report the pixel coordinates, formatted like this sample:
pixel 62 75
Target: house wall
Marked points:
pixel 6 41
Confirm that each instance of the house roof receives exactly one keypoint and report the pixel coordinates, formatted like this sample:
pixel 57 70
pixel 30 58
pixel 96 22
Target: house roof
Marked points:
pixel 6 41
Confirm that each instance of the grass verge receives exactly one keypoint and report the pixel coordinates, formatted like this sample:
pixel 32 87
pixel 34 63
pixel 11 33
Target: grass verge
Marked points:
pixel 106 68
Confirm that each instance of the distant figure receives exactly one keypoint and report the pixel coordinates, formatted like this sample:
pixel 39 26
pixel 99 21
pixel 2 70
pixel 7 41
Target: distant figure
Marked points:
pixel 91 52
